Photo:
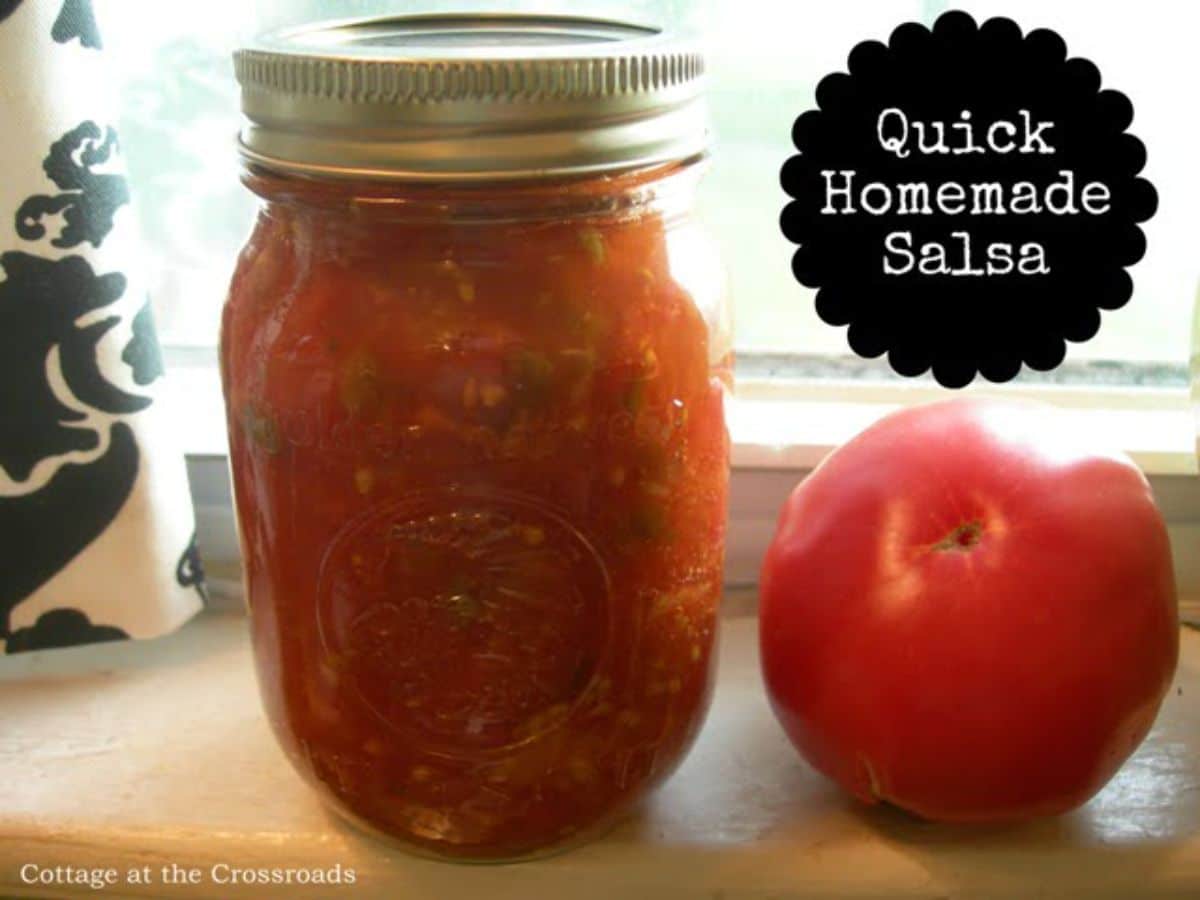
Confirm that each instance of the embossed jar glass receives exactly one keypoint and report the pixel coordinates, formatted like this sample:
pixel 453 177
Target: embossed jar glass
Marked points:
pixel 475 356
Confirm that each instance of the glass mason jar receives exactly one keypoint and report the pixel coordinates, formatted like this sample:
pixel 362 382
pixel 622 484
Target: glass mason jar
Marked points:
pixel 475 355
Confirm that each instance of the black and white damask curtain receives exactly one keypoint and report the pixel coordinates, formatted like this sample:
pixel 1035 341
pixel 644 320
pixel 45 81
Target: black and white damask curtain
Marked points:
pixel 96 524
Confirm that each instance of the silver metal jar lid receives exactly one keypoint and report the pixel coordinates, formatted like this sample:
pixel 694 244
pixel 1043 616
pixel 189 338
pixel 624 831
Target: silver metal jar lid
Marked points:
pixel 466 97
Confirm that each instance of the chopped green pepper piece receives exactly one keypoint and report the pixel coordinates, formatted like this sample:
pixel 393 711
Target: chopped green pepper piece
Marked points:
pixel 593 244
pixel 648 521
pixel 261 428
pixel 461 603
pixel 532 375
pixel 463 608
pixel 359 383
pixel 635 396
pixel 577 366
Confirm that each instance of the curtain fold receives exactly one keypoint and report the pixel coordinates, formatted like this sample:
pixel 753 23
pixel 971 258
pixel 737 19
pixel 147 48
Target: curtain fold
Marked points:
pixel 97 534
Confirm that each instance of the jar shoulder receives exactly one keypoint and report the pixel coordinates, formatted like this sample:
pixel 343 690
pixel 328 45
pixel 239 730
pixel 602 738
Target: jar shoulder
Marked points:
pixel 553 281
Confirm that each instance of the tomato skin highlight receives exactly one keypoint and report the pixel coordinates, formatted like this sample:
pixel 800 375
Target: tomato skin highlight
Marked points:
pixel 970 614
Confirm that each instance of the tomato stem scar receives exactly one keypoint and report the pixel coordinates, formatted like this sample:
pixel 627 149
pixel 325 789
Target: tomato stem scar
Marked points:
pixel 964 537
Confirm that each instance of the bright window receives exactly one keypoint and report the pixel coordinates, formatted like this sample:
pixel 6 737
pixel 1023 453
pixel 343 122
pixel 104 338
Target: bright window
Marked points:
pixel 766 58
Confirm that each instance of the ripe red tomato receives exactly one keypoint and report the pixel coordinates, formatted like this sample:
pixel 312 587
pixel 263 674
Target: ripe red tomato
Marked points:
pixel 969 612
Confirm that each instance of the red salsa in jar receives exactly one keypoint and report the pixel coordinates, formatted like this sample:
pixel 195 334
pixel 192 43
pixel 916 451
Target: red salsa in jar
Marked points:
pixel 478 446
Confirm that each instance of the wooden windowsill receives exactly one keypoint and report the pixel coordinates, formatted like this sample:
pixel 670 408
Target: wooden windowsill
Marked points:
pixel 157 753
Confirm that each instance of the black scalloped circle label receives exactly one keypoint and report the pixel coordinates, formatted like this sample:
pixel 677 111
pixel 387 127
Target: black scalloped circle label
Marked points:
pixel 966 199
